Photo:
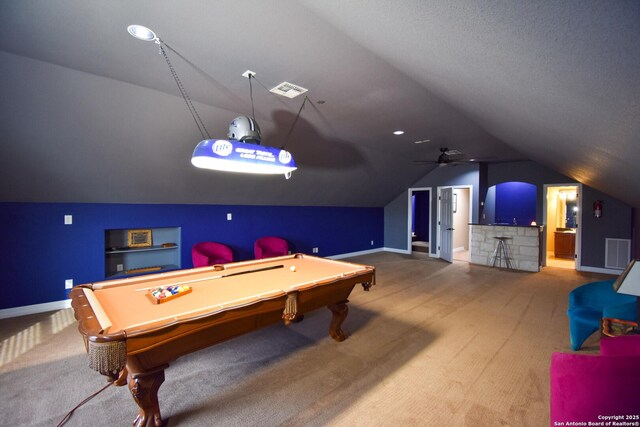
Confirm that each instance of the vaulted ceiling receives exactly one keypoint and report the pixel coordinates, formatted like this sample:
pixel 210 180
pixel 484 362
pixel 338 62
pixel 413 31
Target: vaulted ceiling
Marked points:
pixel 90 114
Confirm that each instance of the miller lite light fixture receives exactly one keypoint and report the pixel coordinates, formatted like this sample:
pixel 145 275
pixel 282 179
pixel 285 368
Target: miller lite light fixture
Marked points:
pixel 235 156
pixel 242 152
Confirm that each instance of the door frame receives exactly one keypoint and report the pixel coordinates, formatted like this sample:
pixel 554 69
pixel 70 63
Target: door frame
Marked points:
pixel 578 257
pixel 409 206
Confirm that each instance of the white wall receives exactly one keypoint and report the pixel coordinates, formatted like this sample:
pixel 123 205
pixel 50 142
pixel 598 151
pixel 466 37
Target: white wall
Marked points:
pixel 461 219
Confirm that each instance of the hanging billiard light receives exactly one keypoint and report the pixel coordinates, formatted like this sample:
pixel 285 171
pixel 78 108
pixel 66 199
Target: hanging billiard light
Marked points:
pixel 242 152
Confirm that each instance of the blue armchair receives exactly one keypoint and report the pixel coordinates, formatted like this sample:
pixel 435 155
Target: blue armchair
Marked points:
pixel 589 303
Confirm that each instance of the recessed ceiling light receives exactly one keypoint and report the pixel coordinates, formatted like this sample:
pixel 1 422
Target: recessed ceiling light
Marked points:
pixel 398 132
pixel 421 141
pixel 141 32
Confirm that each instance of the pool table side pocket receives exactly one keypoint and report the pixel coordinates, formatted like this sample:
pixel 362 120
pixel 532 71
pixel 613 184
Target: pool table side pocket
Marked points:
pixel 107 352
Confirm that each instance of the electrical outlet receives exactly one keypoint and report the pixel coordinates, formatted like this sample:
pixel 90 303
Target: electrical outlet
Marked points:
pixel 372 243
pixel 229 217
pixel 68 219
pixel 315 250
pixel 68 284
pixel 119 267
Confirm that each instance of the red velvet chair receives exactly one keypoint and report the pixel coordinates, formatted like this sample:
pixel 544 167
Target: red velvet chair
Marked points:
pixel 210 253
pixel 585 387
pixel 269 247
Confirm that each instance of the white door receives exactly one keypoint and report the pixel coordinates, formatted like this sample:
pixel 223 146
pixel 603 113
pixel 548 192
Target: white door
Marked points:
pixel 445 222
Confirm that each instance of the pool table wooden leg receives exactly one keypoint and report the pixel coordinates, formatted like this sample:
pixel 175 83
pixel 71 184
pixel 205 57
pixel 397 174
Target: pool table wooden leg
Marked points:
pixel 120 379
pixel 340 311
pixel 144 389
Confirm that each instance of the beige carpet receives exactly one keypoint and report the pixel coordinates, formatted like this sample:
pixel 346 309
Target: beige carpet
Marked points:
pixel 433 344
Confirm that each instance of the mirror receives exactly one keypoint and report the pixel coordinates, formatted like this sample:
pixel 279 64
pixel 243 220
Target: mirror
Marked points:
pixel 567 211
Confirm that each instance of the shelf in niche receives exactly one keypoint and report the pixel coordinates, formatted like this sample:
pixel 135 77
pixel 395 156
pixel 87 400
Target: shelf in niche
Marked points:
pixel 150 248
pixel 119 257
pixel 123 275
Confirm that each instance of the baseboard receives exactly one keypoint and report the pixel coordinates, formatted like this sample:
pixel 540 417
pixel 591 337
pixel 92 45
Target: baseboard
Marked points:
pixel 397 251
pixel 407 252
pixel 460 249
pixel 34 309
pixel 600 270
pixel 352 254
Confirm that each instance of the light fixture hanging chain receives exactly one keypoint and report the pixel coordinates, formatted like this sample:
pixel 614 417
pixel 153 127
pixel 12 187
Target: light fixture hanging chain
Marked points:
pixel 183 92
pixel 253 113
pixel 286 140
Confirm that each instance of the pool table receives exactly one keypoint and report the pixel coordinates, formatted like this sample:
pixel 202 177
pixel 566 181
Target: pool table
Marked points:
pixel 131 339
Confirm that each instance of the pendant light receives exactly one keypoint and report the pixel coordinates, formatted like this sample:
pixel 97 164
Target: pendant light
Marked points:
pixel 241 152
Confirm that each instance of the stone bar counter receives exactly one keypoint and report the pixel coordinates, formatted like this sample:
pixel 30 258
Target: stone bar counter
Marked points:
pixel 525 245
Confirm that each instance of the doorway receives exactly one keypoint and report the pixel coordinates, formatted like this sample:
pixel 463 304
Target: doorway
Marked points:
pixel 461 218
pixel 454 215
pixel 562 219
pixel 419 221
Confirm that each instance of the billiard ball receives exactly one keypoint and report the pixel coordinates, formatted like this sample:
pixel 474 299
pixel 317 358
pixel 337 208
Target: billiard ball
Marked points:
pixel 293 268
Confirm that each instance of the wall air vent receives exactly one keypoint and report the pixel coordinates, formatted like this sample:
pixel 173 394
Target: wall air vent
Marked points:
pixel 288 89
pixel 617 253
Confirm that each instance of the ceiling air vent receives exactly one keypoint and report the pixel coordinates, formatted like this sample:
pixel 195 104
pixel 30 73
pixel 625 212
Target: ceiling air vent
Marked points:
pixel 453 152
pixel 288 89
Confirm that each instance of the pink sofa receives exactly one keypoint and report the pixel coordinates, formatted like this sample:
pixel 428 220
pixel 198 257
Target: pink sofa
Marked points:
pixel 588 387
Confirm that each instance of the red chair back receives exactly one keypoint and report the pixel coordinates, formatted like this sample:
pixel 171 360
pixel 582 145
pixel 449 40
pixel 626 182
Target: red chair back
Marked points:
pixel 269 247
pixel 210 253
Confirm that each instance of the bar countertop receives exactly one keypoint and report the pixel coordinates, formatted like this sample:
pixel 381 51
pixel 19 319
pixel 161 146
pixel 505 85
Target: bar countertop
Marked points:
pixel 506 225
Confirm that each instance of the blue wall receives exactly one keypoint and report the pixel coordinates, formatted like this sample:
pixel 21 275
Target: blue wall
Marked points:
pixel 421 215
pixel 515 200
pixel 615 223
pixel 40 252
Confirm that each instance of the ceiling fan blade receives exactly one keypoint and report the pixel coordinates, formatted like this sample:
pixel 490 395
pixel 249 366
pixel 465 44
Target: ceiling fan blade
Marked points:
pixel 453 157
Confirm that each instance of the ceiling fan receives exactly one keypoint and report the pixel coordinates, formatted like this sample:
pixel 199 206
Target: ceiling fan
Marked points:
pixel 448 157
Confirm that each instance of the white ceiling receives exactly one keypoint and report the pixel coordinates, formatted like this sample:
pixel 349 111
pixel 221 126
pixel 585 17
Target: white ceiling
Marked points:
pixel 90 114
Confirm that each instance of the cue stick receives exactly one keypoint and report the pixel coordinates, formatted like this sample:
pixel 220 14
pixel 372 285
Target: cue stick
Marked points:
pixel 255 270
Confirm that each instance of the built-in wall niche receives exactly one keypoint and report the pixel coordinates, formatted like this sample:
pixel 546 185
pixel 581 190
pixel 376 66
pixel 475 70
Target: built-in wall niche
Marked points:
pixel 510 203
pixel 130 252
